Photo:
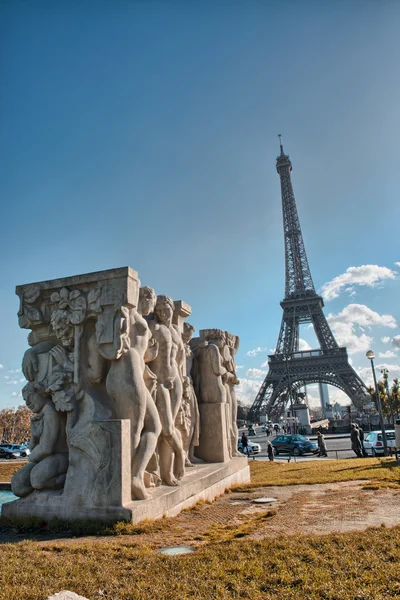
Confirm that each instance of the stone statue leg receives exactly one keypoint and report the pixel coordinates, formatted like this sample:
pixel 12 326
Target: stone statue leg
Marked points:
pixel 126 386
pixel 21 481
pixel 195 430
pixel 170 439
pixel 176 399
pixel 49 473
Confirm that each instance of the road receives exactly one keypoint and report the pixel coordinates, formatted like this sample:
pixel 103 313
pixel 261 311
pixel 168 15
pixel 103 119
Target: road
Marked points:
pixel 338 446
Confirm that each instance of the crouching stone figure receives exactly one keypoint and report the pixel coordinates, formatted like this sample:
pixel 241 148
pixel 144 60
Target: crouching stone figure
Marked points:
pixel 48 460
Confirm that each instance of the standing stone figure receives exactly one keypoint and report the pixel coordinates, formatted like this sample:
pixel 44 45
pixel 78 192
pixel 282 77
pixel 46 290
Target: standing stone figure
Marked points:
pixel 48 460
pixel 147 302
pixel 231 381
pixel 167 366
pixel 190 431
pixel 209 371
pixel 126 386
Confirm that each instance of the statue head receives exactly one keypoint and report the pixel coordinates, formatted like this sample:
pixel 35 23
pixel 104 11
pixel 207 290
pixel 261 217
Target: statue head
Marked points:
pixel 147 300
pixel 34 398
pixel 214 336
pixel 62 327
pixel 164 310
pixel 188 331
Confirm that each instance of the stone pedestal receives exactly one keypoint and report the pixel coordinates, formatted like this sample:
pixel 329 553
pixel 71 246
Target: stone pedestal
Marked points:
pixel 97 487
pixel 303 415
pixel 214 440
pixel 201 482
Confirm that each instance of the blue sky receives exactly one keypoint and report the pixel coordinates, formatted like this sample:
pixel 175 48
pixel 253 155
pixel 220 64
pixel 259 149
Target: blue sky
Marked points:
pixel 145 134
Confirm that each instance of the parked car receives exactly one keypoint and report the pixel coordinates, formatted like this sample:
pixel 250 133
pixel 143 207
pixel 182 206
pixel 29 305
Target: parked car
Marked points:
pixel 373 442
pixel 8 453
pixel 21 448
pixel 253 448
pixel 294 444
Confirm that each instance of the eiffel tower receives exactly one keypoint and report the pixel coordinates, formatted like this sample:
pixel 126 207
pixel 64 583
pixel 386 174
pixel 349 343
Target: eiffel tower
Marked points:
pixel 290 369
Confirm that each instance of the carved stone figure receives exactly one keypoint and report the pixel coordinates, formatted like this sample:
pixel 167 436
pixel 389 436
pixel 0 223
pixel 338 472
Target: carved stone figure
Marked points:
pixel 209 386
pixel 167 366
pixel 191 419
pixel 48 460
pixel 133 401
pixel 231 380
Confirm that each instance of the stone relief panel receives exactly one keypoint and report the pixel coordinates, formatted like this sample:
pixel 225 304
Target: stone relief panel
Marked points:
pixel 103 351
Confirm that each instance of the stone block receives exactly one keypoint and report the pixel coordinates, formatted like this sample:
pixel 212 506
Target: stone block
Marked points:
pixel 214 439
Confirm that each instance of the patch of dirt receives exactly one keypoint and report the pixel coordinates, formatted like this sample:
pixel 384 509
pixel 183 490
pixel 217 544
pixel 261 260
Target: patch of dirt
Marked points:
pixel 299 509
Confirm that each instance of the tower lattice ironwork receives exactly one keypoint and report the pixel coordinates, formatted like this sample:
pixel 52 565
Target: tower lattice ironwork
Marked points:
pixel 291 369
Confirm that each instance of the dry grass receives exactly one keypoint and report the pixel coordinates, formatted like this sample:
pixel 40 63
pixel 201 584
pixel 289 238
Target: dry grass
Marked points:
pixel 7 469
pixel 265 473
pixel 354 566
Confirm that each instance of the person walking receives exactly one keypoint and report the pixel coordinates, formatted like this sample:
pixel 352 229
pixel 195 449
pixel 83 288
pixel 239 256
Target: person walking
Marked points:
pixel 355 440
pixel 361 434
pixel 245 444
pixel 270 451
pixel 321 445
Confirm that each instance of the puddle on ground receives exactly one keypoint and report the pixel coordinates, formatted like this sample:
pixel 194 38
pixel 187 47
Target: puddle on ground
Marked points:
pixel 174 550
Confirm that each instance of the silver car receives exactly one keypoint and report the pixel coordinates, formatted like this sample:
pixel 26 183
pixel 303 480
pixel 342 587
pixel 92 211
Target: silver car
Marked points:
pixel 373 442
pixel 252 448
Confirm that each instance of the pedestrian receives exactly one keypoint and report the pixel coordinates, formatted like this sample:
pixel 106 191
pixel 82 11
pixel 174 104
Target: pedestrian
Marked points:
pixel 355 441
pixel 270 451
pixel 245 444
pixel 361 434
pixel 276 427
pixel 321 445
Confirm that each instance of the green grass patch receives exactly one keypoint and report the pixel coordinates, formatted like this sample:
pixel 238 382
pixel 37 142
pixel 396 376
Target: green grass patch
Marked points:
pixel 7 469
pixel 32 526
pixel 265 473
pixel 353 566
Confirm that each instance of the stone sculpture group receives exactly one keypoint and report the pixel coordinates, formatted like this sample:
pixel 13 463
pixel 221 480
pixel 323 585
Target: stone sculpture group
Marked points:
pixel 113 369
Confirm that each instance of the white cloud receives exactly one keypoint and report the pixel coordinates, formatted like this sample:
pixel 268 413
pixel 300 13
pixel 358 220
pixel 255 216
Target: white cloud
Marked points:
pixel 247 390
pixel 366 374
pixel 256 351
pixel 387 354
pixel 239 367
pixel 350 324
pixel 255 373
pixel 362 315
pixel 16 394
pixel 396 341
pixel 397 264
pixel 303 345
pixel 12 382
pixel 1 367
pixel 385 339
pixel 368 275
pixel 23 380
pixel 6 376
pixel 264 364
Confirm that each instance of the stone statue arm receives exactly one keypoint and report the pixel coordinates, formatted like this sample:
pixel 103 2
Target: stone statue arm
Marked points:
pixel 97 365
pixel 30 360
pixel 216 362
pixel 49 437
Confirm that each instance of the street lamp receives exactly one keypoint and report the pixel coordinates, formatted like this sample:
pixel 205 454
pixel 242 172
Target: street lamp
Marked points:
pixel 371 355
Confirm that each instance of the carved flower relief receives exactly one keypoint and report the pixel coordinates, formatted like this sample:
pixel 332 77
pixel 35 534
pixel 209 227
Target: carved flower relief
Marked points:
pixel 28 316
pixel 73 302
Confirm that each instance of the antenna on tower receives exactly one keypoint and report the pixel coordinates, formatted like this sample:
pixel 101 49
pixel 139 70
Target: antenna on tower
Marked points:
pixel 280 142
